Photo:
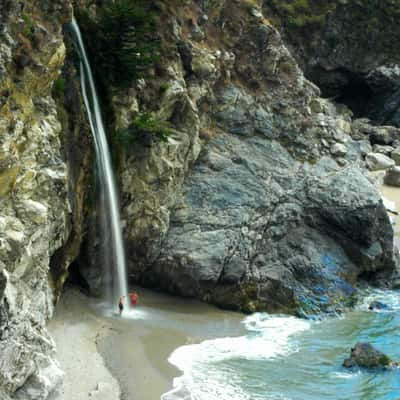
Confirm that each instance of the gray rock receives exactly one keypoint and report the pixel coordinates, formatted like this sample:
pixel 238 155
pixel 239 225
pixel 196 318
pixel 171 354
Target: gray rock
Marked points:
pixel 384 79
pixel 203 19
pixel 382 149
pixel 365 355
pixel 197 33
pixel 361 147
pixel 377 305
pixel 392 177
pixel 34 206
pixel 389 112
pixel 238 113
pixel 395 155
pixel 261 220
pixel 338 149
pixel 384 135
pixel 260 230
pixel 377 162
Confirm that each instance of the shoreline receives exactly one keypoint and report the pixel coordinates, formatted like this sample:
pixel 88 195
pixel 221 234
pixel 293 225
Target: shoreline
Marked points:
pixel 128 357
pixel 106 357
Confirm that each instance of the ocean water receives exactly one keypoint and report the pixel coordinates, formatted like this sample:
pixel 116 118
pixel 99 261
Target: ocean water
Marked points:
pixel 282 357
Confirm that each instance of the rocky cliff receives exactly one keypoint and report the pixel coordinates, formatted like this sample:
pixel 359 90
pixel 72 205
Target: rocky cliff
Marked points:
pixel 40 191
pixel 258 200
pixel 348 48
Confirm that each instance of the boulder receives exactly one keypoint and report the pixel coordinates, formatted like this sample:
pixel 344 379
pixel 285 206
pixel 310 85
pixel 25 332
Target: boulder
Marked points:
pixel 389 111
pixel 383 149
pixel 257 229
pixel 384 135
pixel 392 177
pixel 338 149
pixel 364 355
pixel 377 162
pixel 384 79
pixel 395 155
pixel 377 305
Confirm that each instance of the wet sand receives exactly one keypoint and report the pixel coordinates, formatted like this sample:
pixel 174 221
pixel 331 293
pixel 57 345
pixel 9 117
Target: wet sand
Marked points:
pixel 76 332
pixel 130 354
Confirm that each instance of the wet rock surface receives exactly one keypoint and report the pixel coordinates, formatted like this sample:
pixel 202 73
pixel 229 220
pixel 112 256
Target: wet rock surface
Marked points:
pixel 364 355
pixel 377 305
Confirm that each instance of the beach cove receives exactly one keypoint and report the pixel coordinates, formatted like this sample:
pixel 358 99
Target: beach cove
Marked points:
pixel 106 357
pixel 129 355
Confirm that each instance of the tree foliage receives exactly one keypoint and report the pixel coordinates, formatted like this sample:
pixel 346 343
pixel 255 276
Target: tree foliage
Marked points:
pixel 146 129
pixel 121 41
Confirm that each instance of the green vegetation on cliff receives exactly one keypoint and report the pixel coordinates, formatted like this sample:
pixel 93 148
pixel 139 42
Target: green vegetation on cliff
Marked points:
pixel 29 26
pixel 300 13
pixel 121 41
pixel 145 128
pixel 371 23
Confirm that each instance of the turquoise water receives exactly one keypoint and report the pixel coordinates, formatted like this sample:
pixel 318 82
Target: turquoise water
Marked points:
pixel 283 357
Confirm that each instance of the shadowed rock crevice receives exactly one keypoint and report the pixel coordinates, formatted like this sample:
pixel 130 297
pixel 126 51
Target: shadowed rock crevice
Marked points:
pixel 78 150
pixel 345 87
pixel 76 278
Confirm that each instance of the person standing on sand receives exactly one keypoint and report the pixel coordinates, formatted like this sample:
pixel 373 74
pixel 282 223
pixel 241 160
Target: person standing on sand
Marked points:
pixel 134 298
pixel 121 304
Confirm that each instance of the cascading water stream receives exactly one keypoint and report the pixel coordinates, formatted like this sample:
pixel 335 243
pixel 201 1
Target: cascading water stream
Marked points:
pixel 111 220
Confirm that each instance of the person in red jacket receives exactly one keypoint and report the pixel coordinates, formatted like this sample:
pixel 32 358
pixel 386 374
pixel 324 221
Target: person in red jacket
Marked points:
pixel 134 298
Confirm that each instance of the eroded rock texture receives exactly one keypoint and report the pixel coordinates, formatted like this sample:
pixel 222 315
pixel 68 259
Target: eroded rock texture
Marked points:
pixel 261 200
pixel 349 49
pixel 33 193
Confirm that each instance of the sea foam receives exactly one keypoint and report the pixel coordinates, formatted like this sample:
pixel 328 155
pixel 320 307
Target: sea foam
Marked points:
pixel 206 375
pixel 391 298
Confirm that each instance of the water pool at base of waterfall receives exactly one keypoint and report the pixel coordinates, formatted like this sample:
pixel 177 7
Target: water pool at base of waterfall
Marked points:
pixel 282 357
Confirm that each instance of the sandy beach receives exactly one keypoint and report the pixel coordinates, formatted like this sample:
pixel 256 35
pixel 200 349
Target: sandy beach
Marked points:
pixel 76 331
pixel 106 357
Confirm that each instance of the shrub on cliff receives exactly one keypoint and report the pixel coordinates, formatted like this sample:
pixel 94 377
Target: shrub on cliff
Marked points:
pixel 146 129
pixel 121 41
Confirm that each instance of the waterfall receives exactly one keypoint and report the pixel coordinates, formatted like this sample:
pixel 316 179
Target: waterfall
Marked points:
pixel 109 197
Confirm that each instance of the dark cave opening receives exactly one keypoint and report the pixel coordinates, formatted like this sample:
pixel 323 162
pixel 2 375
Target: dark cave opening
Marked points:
pixel 358 96
pixel 76 278
pixel 345 87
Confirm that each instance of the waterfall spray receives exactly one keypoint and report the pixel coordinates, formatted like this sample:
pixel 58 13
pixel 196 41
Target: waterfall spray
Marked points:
pixel 111 221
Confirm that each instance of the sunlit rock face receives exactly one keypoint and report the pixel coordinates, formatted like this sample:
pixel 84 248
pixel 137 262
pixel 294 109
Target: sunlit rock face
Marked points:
pixel 33 194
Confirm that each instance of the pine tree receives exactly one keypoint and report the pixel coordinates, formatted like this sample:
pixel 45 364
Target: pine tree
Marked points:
pixel 124 45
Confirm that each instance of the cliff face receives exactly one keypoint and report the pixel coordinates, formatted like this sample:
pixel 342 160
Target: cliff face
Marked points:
pixel 35 210
pixel 348 48
pixel 260 200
